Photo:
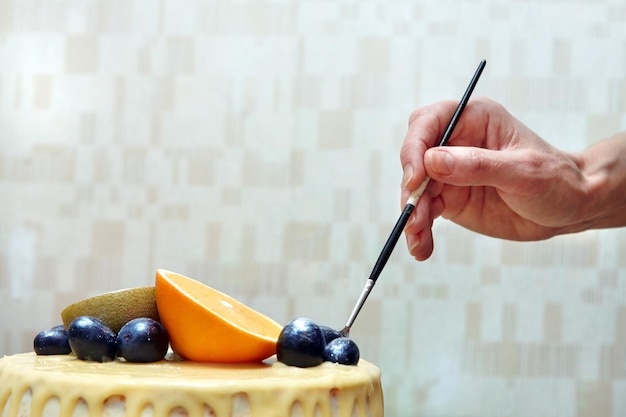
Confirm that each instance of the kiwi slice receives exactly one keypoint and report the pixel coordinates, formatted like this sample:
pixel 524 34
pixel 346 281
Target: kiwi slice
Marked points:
pixel 115 308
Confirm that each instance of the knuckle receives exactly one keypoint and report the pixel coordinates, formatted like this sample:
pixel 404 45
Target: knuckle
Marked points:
pixel 477 164
pixel 416 115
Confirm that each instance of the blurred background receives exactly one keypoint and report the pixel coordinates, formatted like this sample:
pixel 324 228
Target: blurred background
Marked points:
pixel 254 145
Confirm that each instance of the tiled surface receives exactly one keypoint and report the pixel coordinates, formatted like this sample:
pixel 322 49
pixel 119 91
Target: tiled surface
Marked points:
pixel 254 145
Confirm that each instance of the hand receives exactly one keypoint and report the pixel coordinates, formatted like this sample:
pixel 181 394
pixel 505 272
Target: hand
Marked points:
pixel 495 177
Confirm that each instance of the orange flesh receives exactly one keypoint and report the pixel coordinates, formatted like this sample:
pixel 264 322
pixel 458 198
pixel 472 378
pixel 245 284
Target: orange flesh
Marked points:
pixel 207 325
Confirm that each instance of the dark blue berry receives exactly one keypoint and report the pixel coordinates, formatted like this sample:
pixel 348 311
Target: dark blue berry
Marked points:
pixel 52 341
pixel 92 340
pixel 343 351
pixel 330 334
pixel 301 343
pixel 142 340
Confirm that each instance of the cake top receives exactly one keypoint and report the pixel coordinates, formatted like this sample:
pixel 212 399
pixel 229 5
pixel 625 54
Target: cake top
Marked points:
pixel 70 371
pixel 265 386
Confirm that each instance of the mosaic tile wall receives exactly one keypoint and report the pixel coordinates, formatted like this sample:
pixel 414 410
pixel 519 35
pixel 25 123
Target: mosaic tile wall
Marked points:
pixel 254 145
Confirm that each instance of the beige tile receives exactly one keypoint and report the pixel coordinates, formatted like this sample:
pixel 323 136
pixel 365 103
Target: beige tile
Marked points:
pixel 81 54
pixel 42 91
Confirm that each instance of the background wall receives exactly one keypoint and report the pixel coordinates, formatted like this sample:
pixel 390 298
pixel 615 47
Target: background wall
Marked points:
pixel 254 145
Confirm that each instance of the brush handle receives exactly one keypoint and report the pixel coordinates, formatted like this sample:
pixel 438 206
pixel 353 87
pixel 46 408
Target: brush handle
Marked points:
pixel 381 261
pixel 390 244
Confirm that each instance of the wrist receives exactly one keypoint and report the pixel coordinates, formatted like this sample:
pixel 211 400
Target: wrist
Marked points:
pixel 595 184
pixel 603 169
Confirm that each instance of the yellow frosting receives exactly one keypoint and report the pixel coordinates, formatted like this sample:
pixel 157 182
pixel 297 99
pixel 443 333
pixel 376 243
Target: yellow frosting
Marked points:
pixel 271 388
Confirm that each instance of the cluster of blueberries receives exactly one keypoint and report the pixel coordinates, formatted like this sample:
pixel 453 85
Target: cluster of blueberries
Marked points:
pixel 140 340
pixel 303 343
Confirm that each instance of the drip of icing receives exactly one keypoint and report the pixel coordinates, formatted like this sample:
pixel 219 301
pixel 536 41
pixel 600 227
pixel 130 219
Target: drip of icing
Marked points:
pixel 268 389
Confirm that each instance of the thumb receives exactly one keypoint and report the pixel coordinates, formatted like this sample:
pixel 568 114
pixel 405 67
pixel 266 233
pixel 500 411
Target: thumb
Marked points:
pixel 459 165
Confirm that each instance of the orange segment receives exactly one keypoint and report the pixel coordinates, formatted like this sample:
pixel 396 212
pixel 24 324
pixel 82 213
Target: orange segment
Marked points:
pixel 206 325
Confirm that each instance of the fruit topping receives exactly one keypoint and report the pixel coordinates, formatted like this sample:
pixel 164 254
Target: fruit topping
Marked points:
pixel 301 343
pixel 330 334
pixel 115 308
pixel 52 341
pixel 142 340
pixel 92 340
pixel 206 325
pixel 342 350
pixel 198 322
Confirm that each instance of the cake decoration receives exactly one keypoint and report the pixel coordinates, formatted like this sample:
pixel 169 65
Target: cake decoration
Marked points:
pixel 115 308
pixel 53 341
pixel 92 340
pixel 223 359
pixel 142 340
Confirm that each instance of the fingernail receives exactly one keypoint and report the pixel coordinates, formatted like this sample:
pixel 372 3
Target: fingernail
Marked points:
pixel 415 244
pixel 410 221
pixel 441 161
pixel 407 175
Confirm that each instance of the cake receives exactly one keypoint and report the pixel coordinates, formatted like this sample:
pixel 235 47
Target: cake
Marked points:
pixel 225 360
pixel 63 386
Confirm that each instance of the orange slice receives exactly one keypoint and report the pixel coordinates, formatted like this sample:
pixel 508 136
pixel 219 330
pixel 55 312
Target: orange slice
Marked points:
pixel 206 325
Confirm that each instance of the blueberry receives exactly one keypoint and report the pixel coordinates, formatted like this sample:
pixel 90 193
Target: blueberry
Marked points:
pixel 330 334
pixel 52 341
pixel 92 340
pixel 301 343
pixel 343 351
pixel 142 340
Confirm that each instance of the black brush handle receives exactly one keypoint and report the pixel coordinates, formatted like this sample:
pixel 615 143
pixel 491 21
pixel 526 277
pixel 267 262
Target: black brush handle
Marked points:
pixel 378 267
pixel 391 242
pixel 459 109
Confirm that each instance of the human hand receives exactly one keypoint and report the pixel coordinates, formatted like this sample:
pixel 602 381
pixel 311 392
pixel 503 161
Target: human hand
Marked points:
pixel 495 177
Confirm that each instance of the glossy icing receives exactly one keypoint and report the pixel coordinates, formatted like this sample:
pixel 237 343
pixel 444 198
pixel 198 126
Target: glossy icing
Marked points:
pixel 268 389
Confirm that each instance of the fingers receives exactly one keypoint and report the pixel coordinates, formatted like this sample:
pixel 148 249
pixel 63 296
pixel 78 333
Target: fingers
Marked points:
pixel 480 121
pixel 420 244
pixel 418 232
pixel 466 166
pixel 426 126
